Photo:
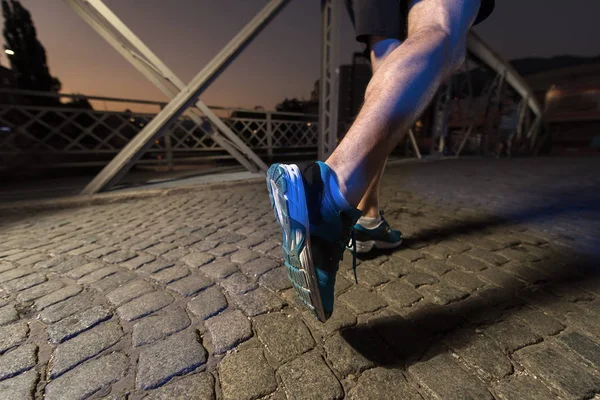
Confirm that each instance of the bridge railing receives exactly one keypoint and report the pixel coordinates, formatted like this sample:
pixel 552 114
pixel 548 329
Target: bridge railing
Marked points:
pixel 59 130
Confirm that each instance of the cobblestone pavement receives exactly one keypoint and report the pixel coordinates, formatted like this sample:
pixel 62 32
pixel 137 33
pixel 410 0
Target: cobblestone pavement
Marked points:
pixel 183 296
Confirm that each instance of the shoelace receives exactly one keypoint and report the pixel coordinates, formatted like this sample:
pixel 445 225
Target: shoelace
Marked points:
pixel 354 256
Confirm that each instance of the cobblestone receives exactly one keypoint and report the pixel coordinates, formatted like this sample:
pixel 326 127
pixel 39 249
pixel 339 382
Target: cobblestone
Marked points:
pixel 582 346
pixel 77 323
pixel 219 269
pixel 400 294
pixel 98 274
pixel 61 310
pixel 362 300
pixel 176 355
pixel 238 284
pixel 138 261
pixel 12 335
pixel 119 256
pixel 434 267
pixel 170 274
pixel 80 272
pixel 20 387
pixel 40 290
pixel 227 330
pixel 417 279
pixel 244 256
pixel 26 282
pixel 155 266
pixel 89 378
pixel 207 304
pixel 276 280
pixel 113 281
pixel 466 263
pixel 144 305
pixel 442 294
pixel 284 336
pixel 309 377
pixel 522 387
pixel 556 370
pixel 539 322
pixel 246 375
pixel 190 285
pixel 463 280
pixel 83 347
pixel 153 328
pixel 258 267
pixel 344 358
pixel 442 378
pixel 18 360
pixel 512 335
pixel 193 387
pixel 128 292
pixel 8 314
pixel 382 383
pixel 196 260
pixel 257 301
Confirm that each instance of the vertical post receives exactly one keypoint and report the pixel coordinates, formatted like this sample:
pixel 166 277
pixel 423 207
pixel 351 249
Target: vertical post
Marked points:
pixel 269 136
pixel 328 90
pixel 169 149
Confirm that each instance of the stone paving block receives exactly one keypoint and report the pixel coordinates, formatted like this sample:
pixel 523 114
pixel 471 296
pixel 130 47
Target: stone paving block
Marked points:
pixel 496 277
pixel 18 360
pixel 250 242
pixel 244 256
pixel 309 377
pixel 175 254
pixel 276 280
pixel 442 293
pixel 20 387
pixel 396 268
pixel 84 249
pixel 512 335
pixel 192 387
pixel 407 255
pixel 227 330
pixel 483 243
pixel 466 263
pixel 176 355
pixel 480 353
pixel 8 314
pixel 457 246
pixel 101 252
pixel 88 378
pixel 434 267
pixel 20 256
pixel 583 347
pixel 155 266
pixel 128 292
pixel 523 272
pixel 246 375
pixel 284 336
pixel 258 301
pixel 77 323
pixel 442 378
pixel 32 259
pixel 341 317
pixel 258 267
pixel 400 294
pixel 144 305
pixel 517 254
pixel 12 335
pixel 160 248
pixel 266 246
pixel 15 273
pixel 219 269
pixel 383 384
pixel 170 274
pixel 557 371
pixel 196 260
pixel 487 257
pixel 112 282
pixel 40 290
pixel 85 269
pixel 190 285
pixel 65 308
pixel 83 347
pixel 63 264
pixel 369 276
pixel 98 274
pixel 156 327
pixel 237 283
pixel 522 387
pixel 26 282
pixel 138 261
pixel 418 278
pixel 540 323
pixel 344 358
pixel 362 300
pixel 223 250
pixel 5 266
pixel 207 304
pixel 119 256
pixel 204 245
pixel 463 280
pixel 437 251
pixel 341 283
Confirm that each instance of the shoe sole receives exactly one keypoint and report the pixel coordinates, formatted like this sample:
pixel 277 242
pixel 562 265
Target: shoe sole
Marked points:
pixel 367 246
pixel 286 193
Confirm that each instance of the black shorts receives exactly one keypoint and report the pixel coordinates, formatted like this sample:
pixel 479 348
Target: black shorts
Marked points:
pixel 388 18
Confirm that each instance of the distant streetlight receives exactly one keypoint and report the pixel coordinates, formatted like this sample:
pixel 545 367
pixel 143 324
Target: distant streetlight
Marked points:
pixel 9 52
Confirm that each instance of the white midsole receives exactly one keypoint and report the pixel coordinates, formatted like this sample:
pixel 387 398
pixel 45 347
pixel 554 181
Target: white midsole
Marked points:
pixel 366 246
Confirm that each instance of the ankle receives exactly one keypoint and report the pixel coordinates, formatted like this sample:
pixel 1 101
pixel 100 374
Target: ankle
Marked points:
pixel 342 180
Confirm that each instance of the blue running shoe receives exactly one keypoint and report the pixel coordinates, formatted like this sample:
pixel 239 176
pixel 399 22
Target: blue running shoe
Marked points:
pixel 380 237
pixel 315 230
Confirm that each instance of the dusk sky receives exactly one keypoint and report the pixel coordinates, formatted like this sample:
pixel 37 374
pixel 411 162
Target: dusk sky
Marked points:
pixel 283 61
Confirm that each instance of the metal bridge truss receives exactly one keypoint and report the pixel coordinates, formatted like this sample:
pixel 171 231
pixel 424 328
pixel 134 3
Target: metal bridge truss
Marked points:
pixel 186 124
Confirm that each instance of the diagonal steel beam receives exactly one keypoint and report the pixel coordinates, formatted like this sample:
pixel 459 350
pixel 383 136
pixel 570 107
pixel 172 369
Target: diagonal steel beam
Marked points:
pixel 183 96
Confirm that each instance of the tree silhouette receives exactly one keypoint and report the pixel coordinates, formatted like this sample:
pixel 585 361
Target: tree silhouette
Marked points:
pixel 28 56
